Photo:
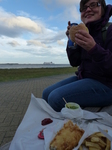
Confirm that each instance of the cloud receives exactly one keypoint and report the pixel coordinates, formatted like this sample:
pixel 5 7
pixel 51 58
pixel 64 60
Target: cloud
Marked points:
pixel 49 40
pixel 69 10
pixel 36 43
pixel 60 42
pixel 73 13
pixel 64 3
pixel 53 36
pixel 16 27
pixel 13 43
pixel 68 2
pixel 13 26
pixel 28 38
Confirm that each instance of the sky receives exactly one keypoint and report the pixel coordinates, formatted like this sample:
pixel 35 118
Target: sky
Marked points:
pixel 33 31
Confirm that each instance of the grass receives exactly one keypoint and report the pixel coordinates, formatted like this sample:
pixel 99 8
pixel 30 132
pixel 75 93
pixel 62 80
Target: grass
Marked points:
pixel 19 74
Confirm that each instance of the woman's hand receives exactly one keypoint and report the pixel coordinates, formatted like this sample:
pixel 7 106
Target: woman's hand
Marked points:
pixel 68 28
pixel 84 40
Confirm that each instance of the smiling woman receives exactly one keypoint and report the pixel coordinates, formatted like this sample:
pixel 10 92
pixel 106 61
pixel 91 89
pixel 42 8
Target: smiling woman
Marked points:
pixel 97 8
pixel 92 85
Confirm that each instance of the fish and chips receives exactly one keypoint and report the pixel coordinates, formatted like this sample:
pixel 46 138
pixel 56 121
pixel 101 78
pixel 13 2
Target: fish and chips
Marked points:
pixel 68 137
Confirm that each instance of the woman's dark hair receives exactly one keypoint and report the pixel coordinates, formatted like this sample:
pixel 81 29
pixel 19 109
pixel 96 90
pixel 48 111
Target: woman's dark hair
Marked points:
pixel 102 2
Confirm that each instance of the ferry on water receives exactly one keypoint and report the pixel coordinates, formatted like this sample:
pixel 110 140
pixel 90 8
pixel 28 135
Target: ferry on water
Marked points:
pixel 48 63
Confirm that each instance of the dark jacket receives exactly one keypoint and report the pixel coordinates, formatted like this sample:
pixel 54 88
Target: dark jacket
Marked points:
pixel 97 63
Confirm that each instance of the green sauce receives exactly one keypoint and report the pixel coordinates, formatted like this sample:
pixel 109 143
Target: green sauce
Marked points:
pixel 72 107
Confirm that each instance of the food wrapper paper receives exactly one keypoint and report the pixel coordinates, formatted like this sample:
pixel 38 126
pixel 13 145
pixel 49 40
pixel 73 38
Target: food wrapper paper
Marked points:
pixel 26 136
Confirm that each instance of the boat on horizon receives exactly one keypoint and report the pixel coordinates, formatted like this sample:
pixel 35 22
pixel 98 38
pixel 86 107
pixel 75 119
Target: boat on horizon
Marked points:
pixel 48 63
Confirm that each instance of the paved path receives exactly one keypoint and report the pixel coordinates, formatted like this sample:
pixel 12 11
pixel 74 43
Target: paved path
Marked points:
pixel 14 100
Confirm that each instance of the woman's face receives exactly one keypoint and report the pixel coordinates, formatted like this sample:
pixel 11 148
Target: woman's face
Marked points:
pixel 91 14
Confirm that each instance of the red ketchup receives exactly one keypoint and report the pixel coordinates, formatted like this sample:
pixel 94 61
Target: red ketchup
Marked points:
pixel 41 135
pixel 46 121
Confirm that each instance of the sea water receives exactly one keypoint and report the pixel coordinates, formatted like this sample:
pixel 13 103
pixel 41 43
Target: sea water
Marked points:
pixel 19 66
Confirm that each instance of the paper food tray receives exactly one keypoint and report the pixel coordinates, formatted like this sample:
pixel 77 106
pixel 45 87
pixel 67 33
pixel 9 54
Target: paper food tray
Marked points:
pixel 91 128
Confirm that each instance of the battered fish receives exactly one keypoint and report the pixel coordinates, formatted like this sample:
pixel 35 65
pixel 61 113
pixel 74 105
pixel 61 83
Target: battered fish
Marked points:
pixel 67 138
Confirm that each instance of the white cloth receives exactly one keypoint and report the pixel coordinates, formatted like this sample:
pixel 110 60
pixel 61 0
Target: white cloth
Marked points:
pixel 26 135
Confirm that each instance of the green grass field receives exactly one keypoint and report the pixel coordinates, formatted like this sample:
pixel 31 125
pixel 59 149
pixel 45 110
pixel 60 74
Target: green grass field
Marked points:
pixel 19 74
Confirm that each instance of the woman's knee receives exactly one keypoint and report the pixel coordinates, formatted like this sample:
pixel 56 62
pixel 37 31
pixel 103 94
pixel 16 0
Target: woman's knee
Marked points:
pixel 54 100
pixel 45 94
pixel 48 90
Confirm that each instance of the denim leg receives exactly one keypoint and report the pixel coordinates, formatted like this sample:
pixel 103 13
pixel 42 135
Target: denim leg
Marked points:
pixel 86 92
pixel 49 89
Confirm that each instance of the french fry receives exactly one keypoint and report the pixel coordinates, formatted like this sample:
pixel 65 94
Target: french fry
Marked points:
pixel 99 134
pixel 80 148
pixel 93 148
pixel 97 141
pixel 83 142
pixel 90 144
pixel 102 142
pixel 102 145
pixel 108 144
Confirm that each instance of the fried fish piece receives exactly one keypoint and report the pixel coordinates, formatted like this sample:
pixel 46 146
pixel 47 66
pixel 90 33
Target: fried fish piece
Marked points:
pixel 67 137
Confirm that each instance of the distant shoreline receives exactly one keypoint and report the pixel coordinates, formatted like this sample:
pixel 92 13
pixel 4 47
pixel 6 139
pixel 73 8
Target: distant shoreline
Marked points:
pixel 30 63
pixel 20 66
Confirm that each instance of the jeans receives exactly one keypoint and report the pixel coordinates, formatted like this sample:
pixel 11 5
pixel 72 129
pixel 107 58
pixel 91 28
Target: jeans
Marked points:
pixel 86 92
